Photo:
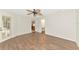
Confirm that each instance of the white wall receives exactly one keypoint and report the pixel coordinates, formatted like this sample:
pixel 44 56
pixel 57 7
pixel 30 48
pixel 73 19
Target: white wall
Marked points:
pixel 20 23
pixel 0 27
pixel 77 27
pixel 61 23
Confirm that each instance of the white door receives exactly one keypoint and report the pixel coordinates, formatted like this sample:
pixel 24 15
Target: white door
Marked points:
pixel 4 27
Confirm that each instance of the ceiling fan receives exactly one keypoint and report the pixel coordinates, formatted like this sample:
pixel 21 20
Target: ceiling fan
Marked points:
pixel 34 12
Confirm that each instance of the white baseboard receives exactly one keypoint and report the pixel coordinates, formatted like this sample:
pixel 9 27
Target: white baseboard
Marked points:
pixel 12 37
pixel 58 36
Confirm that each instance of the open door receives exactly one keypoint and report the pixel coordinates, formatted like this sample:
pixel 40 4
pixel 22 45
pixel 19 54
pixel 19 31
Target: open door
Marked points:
pixel 5 27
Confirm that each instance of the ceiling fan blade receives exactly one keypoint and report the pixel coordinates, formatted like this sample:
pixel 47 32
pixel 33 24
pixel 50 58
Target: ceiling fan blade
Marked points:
pixel 29 10
pixel 34 10
pixel 29 13
pixel 38 10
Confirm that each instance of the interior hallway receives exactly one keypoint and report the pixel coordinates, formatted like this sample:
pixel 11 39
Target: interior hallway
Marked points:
pixel 37 41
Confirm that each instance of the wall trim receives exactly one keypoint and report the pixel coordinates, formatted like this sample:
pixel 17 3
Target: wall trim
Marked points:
pixel 12 37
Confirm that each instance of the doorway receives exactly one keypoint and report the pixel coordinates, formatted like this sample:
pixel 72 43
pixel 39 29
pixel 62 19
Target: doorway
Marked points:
pixel 5 22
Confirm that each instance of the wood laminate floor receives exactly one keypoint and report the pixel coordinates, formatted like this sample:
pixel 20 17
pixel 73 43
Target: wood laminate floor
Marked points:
pixel 37 41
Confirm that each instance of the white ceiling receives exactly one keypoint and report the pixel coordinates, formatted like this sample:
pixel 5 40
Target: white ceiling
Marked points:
pixel 15 11
pixel 44 11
